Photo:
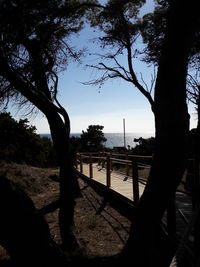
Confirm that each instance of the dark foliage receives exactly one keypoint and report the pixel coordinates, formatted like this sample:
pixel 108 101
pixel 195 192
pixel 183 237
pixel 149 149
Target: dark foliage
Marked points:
pixel 20 143
pixel 91 140
pixel 144 146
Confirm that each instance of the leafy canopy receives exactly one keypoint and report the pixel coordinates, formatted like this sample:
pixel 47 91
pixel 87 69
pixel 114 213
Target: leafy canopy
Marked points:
pixel 35 45
pixel 152 28
pixel 119 22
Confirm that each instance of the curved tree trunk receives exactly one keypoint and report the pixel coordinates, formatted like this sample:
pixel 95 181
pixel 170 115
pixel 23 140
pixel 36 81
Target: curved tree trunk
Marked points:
pixel 37 91
pixel 60 130
pixel 196 186
pixel 145 246
pixel 68 182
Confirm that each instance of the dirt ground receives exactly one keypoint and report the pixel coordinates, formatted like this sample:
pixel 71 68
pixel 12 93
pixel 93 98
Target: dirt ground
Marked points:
pixel 99 235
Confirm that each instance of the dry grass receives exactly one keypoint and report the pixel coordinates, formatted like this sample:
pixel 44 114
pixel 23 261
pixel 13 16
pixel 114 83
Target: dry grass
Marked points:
pixel 30 179
pixel 99 234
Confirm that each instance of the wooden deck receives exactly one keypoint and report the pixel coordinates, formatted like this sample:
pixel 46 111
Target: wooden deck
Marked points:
pixel 123 184
pixel 123 191
pixel 118 182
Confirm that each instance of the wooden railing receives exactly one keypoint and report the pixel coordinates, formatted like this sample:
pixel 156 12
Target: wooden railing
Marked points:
pixel 108 161
pixel 132 166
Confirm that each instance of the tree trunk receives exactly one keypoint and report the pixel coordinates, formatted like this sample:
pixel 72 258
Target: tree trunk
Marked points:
pixel 145 245
pixel 68 183
pixel 60 134
pixel 196 186
pixel 60 130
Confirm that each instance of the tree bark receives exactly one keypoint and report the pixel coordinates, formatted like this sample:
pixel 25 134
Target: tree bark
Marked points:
pixel 172 126
pixel 68 183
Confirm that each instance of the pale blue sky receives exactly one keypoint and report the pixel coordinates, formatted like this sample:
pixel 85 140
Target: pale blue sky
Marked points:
pixel 87 105
pixel 107 106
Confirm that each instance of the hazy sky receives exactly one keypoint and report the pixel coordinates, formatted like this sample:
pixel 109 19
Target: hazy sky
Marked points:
pixel 108 105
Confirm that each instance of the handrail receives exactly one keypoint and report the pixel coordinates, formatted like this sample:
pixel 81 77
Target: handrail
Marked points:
pixel 121 160
pixel 87 155
pixel 132 166
pixel 103 162
pixel 117 154
pixel 106 160
pixel 131 170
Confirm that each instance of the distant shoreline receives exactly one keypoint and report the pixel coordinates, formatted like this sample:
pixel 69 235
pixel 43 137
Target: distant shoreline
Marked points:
pixel 127 133
pixel 115 139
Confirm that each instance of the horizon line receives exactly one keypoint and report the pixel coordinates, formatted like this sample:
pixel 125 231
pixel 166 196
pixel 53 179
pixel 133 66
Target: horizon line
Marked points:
pixel 110 133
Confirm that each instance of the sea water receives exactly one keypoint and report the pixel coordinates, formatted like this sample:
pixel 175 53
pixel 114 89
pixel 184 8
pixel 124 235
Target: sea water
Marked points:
pixel 116 139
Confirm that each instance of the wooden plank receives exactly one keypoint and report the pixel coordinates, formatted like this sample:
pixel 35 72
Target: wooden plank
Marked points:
pixel 120 203
pixel 117 182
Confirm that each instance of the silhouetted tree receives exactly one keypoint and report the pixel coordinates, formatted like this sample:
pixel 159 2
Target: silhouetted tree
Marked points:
pixel 144 146
pixel 172 126
pixel 152 31
pixel 152 27
pixel 92 139
pixel 33 49
pixel 120 24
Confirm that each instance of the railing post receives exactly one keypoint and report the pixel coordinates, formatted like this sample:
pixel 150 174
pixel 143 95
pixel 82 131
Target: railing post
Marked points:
pixel 76 161
pixel 100 160
pixel 90 166
pixel 135 181
pixel 81 164
pixel 111 163
pixel 127 167
pixel 108 172
pixel 103 160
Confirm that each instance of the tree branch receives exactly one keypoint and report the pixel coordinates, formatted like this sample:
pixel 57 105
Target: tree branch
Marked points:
pixel 122 68
pixel 194 85
pixel 61 110
pixel 79 6
pixel 132 73
pixel 25 87
pixel 116 72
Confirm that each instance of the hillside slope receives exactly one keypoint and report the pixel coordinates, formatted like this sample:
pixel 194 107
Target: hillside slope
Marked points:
pixel 99 235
